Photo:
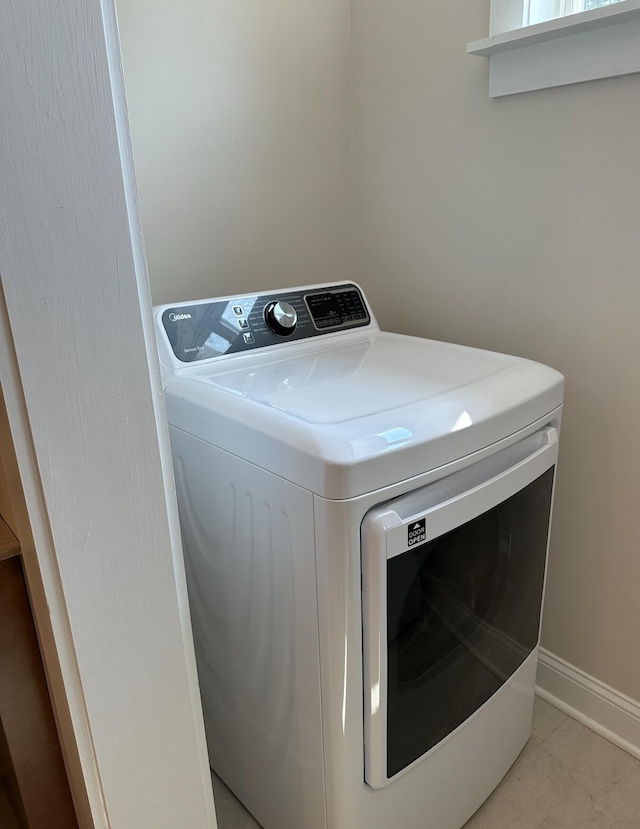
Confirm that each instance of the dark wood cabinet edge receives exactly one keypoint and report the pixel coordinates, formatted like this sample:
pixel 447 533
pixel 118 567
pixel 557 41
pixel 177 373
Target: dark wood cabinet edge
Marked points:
pixel 9 544
pixel 43 781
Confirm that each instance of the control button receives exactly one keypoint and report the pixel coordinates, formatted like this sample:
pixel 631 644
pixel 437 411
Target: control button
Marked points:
pixel 281 318
pixel 248 338
pixel 328 322
pixel 237 310
pixel 243 323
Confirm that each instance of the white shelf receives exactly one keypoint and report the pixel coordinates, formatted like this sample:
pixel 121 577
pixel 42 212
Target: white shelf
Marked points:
pixel 601 43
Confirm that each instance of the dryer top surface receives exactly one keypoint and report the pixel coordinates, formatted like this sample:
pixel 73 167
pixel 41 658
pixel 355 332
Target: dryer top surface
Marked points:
pixel 360 411
pixel 344 382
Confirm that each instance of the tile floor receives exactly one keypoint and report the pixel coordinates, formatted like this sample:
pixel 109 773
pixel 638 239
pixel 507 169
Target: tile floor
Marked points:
pixel 566 777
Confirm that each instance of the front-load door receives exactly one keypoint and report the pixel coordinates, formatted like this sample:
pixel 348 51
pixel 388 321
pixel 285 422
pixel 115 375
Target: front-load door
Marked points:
pixel 453 576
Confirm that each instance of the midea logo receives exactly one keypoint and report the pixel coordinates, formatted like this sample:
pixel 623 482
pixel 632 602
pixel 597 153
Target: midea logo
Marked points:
pixel 175 317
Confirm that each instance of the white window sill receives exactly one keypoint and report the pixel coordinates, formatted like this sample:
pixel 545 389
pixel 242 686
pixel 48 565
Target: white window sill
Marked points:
pixel 601 43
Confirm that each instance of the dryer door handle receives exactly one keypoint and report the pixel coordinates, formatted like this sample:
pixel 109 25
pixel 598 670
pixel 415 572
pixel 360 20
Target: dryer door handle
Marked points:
pixel 483 497
pixel 458 498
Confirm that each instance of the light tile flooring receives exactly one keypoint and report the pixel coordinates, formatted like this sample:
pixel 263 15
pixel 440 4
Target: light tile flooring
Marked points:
pixel 566 777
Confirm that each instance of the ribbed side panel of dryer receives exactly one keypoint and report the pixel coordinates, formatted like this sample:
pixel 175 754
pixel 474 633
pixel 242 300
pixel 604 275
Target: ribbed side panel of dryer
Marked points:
pixel 250 563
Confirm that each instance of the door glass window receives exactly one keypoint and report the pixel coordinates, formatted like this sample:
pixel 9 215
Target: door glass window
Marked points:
pixel 463 613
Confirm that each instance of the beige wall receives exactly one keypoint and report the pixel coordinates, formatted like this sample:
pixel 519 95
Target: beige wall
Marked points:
pixel 509 224
pixel 240 117
pixel 514 225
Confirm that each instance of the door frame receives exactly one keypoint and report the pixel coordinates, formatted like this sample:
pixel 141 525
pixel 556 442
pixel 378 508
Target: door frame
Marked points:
pixel 82 389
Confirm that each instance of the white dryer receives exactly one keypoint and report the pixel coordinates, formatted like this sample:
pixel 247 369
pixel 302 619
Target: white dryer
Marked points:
pixel 365 520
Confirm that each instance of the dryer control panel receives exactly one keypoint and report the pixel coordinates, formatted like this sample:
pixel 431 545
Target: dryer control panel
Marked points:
pixel 216 327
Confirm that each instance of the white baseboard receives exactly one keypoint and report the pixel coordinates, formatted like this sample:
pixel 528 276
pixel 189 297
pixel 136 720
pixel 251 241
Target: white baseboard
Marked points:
pixel 604 710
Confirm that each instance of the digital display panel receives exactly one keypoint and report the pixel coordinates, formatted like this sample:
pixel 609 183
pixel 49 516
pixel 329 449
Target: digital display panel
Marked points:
pixel 332 308
pixel 324 309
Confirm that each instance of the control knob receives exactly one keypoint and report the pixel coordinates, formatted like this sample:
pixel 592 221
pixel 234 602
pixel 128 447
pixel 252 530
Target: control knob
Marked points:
pixel 281 318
